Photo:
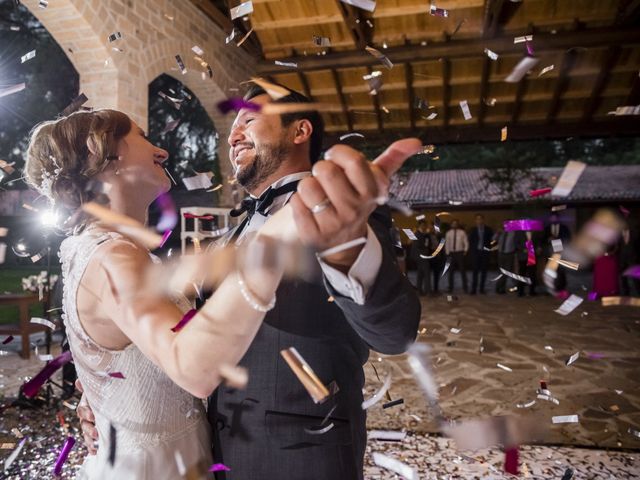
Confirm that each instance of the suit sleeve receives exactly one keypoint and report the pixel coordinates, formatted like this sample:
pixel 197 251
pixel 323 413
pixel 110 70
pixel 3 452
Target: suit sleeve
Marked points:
pixel 389 318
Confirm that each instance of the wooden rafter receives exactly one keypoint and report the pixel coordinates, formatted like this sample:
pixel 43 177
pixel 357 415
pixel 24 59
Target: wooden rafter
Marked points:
pixel 305 85
pixel 562 84
pixel 517 104
pixel 465 48
pixel 491 133
pixel 343 100
pixel 628 12
pixel 484 89
pixel 634 95
pixel 411 95
pixel 355 21
pixel 446 90
pixel 611 58
pixel 376 106
pixel 492 9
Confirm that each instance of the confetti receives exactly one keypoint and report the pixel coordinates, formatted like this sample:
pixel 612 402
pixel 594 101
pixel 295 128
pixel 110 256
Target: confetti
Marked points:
pixel 44 321
pixel 523 39
pixel 565 419
pixel 350 135
pixel 115 36
pixel 409 233
pixel 368 5
pixel 174 102
pixel 75 105
pixel 539 192
pixel 234 376
pixel 7 340
pixel 393 403
pixel 219 467
pixel 237 104
pixel 181 65
pixel 389 435
pixel 380 56
pixel 515 276
pixel 556 245
pixel 503 134
pixel 321 41
pixel 231 36
pixel 436 251
pixel 491 54
pixel 569 305
pixel 182 470
pixel 526 405
pixel 286 64
pixel 464 106
pixel 244 39
pixel 438 12
pixel 18 87
pixel 570 176
pixel 521 69
pixel 11 458
pixel 316 389
pixel 431 116
pixel 64 453
pixel 186 318
pixel 626 110
pixel 526 225
pixel 112 444
pixel 629 301
pixel 197 50
pixel 565 263
pixel 378 395
pixel 504 367
pixel 455 330
pixel 28 56
pixel 572 359
pixel 394 465
pixel 32 387
pixel 116 375
pixel 545 70
pixel 319 431
pixel 43 3
pixel 634 432
pixel 276 92
pixel 241 10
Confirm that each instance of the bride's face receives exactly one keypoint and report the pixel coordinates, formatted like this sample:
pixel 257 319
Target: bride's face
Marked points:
pixel 140 164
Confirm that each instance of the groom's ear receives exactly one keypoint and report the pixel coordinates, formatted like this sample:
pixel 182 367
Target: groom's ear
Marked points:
pixel 303 131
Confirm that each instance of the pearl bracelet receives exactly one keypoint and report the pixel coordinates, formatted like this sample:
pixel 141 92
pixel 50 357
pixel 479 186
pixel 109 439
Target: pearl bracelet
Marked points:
pixel 252 299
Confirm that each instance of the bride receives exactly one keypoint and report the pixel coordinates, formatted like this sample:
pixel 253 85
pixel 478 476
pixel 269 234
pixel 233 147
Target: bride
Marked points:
pixel 115 327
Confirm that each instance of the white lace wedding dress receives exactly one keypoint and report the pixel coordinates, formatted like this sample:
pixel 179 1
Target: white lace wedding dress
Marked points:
pixel 161 430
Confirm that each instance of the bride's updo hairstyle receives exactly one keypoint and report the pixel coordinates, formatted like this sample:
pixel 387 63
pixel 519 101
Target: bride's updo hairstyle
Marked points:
pixel 65 155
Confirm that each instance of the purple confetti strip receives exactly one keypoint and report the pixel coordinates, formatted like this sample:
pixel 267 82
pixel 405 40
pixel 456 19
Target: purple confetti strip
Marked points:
pixel 237 104
pixel 531 253
pixel 595 355
pixel 526 225
pixel 64 453
pixel 32 387
pixel 219 467
pixel 633 272
pixel 117 375
pixel 592 296
pixel 169 215
pixel 165 237
pixel 186 319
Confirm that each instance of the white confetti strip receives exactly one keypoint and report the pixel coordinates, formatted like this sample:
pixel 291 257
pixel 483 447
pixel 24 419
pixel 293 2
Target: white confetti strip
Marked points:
pixel 378 395
pixel 569 305
pixel 286 64
pixel 504 367
pixel 18 87
pixel 464 105
pixel 570 176
pixel 556 244
pixel 491 54
pixel 44 321
pixel 11 458
pixel 521 69
pixel 526 405
pixel 515 276
pixel 546 69
pixel 409 233
pixel 394 465
pixel 386 435
pixel 241 10
pixel 523 38
pixel 455 330
pixel 565 419
pixel 572 358
pixel 349 135
pixel 201 180
pixel 28 56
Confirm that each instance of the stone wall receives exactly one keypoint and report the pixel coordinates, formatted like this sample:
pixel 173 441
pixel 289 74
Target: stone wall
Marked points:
pixel 153 33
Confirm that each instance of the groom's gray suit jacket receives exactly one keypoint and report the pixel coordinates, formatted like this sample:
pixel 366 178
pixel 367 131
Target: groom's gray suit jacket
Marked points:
pixel 260 432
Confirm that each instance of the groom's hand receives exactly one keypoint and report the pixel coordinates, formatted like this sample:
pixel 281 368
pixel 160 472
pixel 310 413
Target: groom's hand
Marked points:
pixel 332 207
pixel 87 423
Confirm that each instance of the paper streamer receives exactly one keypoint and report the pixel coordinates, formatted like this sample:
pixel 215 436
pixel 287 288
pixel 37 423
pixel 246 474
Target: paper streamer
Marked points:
pixel 32 387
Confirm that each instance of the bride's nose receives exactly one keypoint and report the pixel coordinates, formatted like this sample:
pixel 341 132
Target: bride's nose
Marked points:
pixel 160 155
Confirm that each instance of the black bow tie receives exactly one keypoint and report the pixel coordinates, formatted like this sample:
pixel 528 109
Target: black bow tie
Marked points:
pixel 252 205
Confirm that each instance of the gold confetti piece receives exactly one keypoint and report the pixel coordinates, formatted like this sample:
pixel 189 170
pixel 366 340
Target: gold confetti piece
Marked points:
pixel 628 301
pixel 331 299
pixel 385 110
pixel 281 108
pixel 614 408
pixel 7 446
pixel 276 92
pixel 503 134
pixel 565 263
pixel 17 433
pixel 545 70
pixel 244 39
pixel 316 389
pixel 241 10
pixel 234 376
pixel 125 225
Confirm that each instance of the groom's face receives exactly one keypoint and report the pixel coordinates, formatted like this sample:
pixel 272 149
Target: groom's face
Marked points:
pixel 258 145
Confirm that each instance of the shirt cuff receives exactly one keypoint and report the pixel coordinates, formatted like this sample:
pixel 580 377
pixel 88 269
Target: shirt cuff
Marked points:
pixel 362 274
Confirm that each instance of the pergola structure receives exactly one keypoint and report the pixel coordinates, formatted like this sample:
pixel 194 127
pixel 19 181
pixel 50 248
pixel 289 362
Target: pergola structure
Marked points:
pixel 438 62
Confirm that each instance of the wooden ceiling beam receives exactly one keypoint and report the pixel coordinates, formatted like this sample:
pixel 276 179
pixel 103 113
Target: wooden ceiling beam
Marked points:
pixel 517 104
pixel 484 88
pixel 611 58
pixel 354 20
pixel 613 127
pixel 464 48
pixel 446 90
pixel 411 95
pixel 568 61
pixel 634 95
pixel 305 85
pixel 628 12
pixel 343 100
pixel 297 22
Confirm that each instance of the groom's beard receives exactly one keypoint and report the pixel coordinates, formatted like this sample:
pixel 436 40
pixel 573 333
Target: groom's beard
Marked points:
pixel 266 161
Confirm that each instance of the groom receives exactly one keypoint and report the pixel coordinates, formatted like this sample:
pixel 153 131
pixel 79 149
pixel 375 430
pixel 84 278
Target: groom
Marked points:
pixel 266 430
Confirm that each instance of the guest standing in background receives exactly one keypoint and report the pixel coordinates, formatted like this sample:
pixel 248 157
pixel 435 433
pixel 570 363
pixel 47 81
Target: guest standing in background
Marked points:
pixel 506 257
pixel 628 256
pixel 437 262
pixel 456 247
pixel 480 238
pixel 424 246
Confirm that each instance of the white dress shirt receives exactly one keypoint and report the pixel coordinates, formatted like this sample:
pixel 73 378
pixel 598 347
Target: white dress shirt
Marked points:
pixel 456 241
pixel 362 273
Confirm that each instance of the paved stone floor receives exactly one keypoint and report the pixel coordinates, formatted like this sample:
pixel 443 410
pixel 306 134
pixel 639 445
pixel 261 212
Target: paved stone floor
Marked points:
pixel 601 387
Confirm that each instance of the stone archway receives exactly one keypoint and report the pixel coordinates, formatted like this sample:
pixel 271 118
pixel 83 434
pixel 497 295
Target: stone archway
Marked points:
pixel 117 74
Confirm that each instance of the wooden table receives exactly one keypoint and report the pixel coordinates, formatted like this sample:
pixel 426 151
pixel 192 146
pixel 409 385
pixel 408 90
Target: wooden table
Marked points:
pixel 24 328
